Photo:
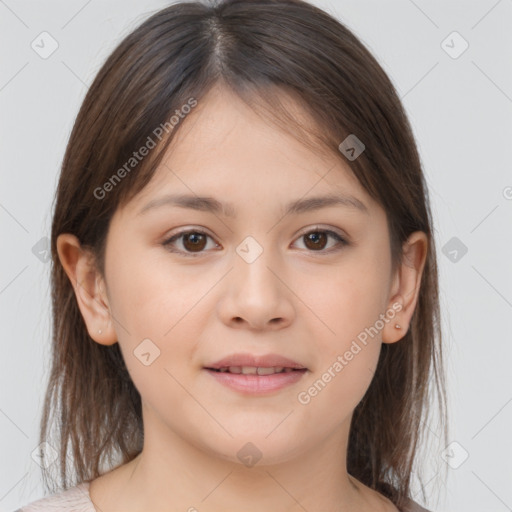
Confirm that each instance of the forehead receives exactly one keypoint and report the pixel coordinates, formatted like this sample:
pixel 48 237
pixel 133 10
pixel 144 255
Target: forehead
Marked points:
pixel 224 149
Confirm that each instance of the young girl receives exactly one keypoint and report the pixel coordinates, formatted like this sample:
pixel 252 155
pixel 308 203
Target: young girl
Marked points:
pixel 244 280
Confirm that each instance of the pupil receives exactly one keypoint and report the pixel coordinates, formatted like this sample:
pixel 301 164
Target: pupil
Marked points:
pixel 315 237
pixel 194 239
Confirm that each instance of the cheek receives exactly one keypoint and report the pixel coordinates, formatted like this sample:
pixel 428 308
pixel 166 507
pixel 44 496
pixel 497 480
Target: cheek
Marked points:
pixel 151 294
pixel 347 345
pixel 153 308
pixel 345 300
pixel 158 310
pixel 346 305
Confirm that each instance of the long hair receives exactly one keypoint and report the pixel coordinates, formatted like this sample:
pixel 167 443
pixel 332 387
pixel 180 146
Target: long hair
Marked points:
pixel 256 48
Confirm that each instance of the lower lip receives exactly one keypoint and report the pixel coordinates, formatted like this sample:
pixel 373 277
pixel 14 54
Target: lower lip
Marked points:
pixel 257 384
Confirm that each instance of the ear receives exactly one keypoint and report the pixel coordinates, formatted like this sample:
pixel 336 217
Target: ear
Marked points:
pixel 88 285
pixel 406 287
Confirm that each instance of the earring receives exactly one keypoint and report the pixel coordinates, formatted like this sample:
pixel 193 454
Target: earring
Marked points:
pixel 397 326
pixel 100 331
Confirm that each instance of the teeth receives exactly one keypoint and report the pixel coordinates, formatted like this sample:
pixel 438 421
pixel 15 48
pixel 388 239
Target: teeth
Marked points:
pixel 268 371
pixel 252 370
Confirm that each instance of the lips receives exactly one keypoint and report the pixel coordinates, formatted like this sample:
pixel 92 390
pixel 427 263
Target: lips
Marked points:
pixel 250 364
pixel 253 375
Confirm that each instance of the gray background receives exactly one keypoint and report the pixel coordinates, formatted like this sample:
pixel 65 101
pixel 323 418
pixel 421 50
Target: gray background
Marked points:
pixel 460 109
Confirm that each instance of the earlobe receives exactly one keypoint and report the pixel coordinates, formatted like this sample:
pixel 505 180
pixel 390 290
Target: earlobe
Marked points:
pixel 406 287
pixel 88 286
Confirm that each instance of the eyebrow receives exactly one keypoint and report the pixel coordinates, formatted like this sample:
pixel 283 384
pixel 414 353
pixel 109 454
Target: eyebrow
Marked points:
pixel 212 205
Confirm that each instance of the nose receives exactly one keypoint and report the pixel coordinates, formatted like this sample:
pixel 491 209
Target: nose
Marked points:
pixel 256 295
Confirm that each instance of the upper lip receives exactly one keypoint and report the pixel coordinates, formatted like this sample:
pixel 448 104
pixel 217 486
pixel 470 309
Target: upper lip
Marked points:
pixel 263 361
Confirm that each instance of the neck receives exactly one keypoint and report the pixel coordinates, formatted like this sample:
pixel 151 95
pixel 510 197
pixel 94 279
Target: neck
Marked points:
pixel 192 478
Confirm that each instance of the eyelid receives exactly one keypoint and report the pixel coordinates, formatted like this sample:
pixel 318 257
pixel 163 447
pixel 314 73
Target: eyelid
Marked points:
pixel 319 227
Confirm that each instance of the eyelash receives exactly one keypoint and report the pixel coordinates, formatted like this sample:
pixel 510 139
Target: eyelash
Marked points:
pixel 168 243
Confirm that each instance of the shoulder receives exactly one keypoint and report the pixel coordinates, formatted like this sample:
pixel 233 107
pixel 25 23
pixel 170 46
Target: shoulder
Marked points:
pixel 75 499
pixel 412 506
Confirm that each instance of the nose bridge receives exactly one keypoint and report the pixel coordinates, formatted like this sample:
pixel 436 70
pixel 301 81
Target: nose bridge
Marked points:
pixel 253 263
pixel 256 295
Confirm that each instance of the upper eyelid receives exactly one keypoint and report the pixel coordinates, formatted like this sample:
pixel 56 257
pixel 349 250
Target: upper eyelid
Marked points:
pixel 315 227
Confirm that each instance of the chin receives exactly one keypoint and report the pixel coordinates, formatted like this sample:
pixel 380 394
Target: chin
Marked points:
pixel 257 450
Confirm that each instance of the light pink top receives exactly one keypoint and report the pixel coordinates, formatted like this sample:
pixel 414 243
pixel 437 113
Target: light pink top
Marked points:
pixel 74 499
pixel 77 499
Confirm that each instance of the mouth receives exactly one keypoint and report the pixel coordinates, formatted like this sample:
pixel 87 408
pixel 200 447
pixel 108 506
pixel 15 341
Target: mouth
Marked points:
pixel 256 380
pixel 253 370
pixel 256 374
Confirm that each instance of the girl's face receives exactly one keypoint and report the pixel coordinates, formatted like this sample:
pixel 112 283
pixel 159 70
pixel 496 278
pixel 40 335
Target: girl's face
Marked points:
pixel 253 283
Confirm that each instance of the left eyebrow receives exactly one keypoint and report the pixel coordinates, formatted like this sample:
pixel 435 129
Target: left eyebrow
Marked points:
pixel 212 205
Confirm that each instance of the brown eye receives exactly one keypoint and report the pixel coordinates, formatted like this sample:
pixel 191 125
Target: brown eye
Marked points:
pixel 194 242
pixel 317 240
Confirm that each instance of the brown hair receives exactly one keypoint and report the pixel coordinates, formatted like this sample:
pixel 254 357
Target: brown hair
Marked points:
pixel 257 48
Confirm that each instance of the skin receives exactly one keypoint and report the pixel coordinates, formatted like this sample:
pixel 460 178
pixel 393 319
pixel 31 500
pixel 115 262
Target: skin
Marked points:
pixel 304 303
